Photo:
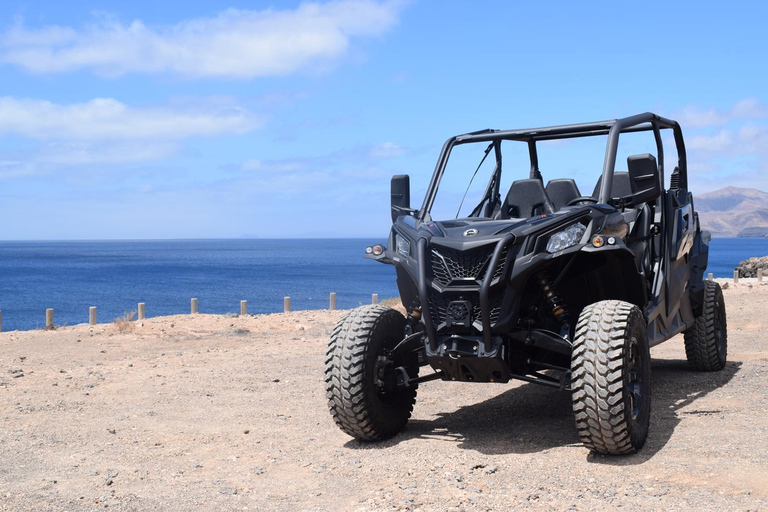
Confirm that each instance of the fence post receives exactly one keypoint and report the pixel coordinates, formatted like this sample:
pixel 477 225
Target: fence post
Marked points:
pixel 141 311
pixel 332 305
pixel 759 275
pixel 287 304
pixel 375 298
pixel 243 307
pixel 49 318
pixel 92 315
pixel 736 276
pixel 710 277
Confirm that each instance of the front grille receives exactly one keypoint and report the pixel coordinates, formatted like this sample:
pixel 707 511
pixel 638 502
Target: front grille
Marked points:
pixel 494 303
pixel 450 265
pixel 438 306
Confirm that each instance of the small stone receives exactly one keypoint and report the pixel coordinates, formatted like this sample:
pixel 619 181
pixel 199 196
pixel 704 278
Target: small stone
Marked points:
pixel 228 490
pixel 491 470
pixel 91 472
pixel 259 470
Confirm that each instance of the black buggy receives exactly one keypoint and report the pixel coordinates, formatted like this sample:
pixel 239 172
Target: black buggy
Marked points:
pixel 543 284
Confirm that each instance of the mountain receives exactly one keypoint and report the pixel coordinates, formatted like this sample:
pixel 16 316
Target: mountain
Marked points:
pixel 733 211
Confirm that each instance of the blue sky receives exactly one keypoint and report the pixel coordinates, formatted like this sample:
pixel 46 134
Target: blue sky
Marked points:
pixel 287 119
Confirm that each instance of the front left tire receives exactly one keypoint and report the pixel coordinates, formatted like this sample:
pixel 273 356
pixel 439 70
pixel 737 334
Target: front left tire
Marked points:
pixel 611 378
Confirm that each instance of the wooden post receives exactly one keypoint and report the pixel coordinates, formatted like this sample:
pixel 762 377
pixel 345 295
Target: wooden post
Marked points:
pixel 710 277
pixel 141 311
pixel 332 305
pixel 759 275
pixel 375 298
pixel 243 307
pixel 49 318
pixel 287 304
pixel 736 276
pixel 193 306
pixel 92 315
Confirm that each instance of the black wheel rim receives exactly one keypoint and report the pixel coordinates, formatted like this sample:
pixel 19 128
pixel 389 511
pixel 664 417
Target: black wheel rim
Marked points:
pixel 635 378
pixel 388 393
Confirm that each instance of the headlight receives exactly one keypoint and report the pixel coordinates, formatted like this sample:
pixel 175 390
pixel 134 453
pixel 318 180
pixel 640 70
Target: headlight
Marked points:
pixel 402 245
pixel 566 238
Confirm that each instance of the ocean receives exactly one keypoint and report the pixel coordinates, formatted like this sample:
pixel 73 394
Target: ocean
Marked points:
pixel 114 276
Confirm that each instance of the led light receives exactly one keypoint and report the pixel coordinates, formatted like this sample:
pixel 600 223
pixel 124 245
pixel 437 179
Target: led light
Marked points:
pixel 378 249
pixel 566 238
pixel 402 245
pixel 598 241
pixel 611 240
pixel 369 250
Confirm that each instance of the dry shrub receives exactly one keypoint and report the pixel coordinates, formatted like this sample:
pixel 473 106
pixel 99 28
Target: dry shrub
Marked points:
pixel 125 323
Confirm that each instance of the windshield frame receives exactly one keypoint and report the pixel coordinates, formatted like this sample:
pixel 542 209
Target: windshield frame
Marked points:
pixel 613 128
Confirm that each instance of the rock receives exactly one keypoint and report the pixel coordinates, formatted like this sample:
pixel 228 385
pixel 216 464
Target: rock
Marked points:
pixel 228 490
pixel 748 268
pixel 110 477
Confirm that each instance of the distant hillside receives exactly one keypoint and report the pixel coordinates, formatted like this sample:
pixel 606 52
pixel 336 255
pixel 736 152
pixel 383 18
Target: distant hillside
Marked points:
pixel 733 211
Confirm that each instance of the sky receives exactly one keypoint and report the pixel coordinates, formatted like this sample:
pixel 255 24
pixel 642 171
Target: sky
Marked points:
pixel 287 119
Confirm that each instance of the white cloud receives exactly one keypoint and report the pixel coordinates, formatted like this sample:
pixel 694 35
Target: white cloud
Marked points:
pixel 387 150
pixel 106 118
pixel 697 117
pixel 234 44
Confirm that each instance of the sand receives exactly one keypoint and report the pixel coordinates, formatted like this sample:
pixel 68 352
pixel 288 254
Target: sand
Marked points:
pixel 210 412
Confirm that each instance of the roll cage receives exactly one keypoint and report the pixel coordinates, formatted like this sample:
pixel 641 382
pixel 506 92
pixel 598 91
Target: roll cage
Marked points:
pixel 613 128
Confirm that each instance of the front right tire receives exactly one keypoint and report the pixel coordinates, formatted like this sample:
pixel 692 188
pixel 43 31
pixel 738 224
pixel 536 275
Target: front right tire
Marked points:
pixel 611 377
pixel 357 365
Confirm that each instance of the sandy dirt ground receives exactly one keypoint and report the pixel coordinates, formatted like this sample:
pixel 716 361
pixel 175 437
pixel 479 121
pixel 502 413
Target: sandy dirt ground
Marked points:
pixel 211 412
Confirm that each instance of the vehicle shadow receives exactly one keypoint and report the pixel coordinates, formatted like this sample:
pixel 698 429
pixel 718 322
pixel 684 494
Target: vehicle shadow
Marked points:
pixel 533 418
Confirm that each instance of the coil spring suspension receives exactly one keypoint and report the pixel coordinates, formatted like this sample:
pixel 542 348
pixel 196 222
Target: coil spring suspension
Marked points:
pixel 556 304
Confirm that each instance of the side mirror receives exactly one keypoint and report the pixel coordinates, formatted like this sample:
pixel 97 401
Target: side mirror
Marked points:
pixel 401 195
pixel 643 179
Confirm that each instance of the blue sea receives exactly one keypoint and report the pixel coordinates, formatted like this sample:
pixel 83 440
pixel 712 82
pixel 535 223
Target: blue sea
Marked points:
pixel 165 274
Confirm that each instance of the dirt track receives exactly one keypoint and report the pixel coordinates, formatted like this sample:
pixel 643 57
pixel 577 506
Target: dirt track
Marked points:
pixel 216 413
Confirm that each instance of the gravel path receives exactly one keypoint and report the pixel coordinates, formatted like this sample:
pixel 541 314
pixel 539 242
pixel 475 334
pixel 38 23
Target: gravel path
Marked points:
pixel 217 413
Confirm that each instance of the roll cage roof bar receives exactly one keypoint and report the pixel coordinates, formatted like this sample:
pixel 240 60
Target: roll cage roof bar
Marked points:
pixel 613 128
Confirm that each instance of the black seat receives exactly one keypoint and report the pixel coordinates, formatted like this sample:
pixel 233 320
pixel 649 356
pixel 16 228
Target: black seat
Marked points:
pixel 621 186
pixel 526 198
pixel 562 190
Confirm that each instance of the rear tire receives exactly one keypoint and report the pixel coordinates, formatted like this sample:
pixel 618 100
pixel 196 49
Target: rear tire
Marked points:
pixel 359 405
pixel 706 341
pixel 611 377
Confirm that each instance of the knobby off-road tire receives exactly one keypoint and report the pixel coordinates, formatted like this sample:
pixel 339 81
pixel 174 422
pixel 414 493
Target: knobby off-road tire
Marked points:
pixel 611 377
pixel 706 341
pixel 358 406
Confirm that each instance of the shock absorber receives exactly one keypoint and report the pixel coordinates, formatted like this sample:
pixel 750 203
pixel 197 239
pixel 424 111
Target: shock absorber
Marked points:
pixel 556 304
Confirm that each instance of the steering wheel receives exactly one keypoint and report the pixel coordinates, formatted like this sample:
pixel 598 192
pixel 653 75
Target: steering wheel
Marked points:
pixel 581 200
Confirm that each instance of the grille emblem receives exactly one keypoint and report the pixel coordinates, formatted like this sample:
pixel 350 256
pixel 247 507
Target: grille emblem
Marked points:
pixel 470 232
